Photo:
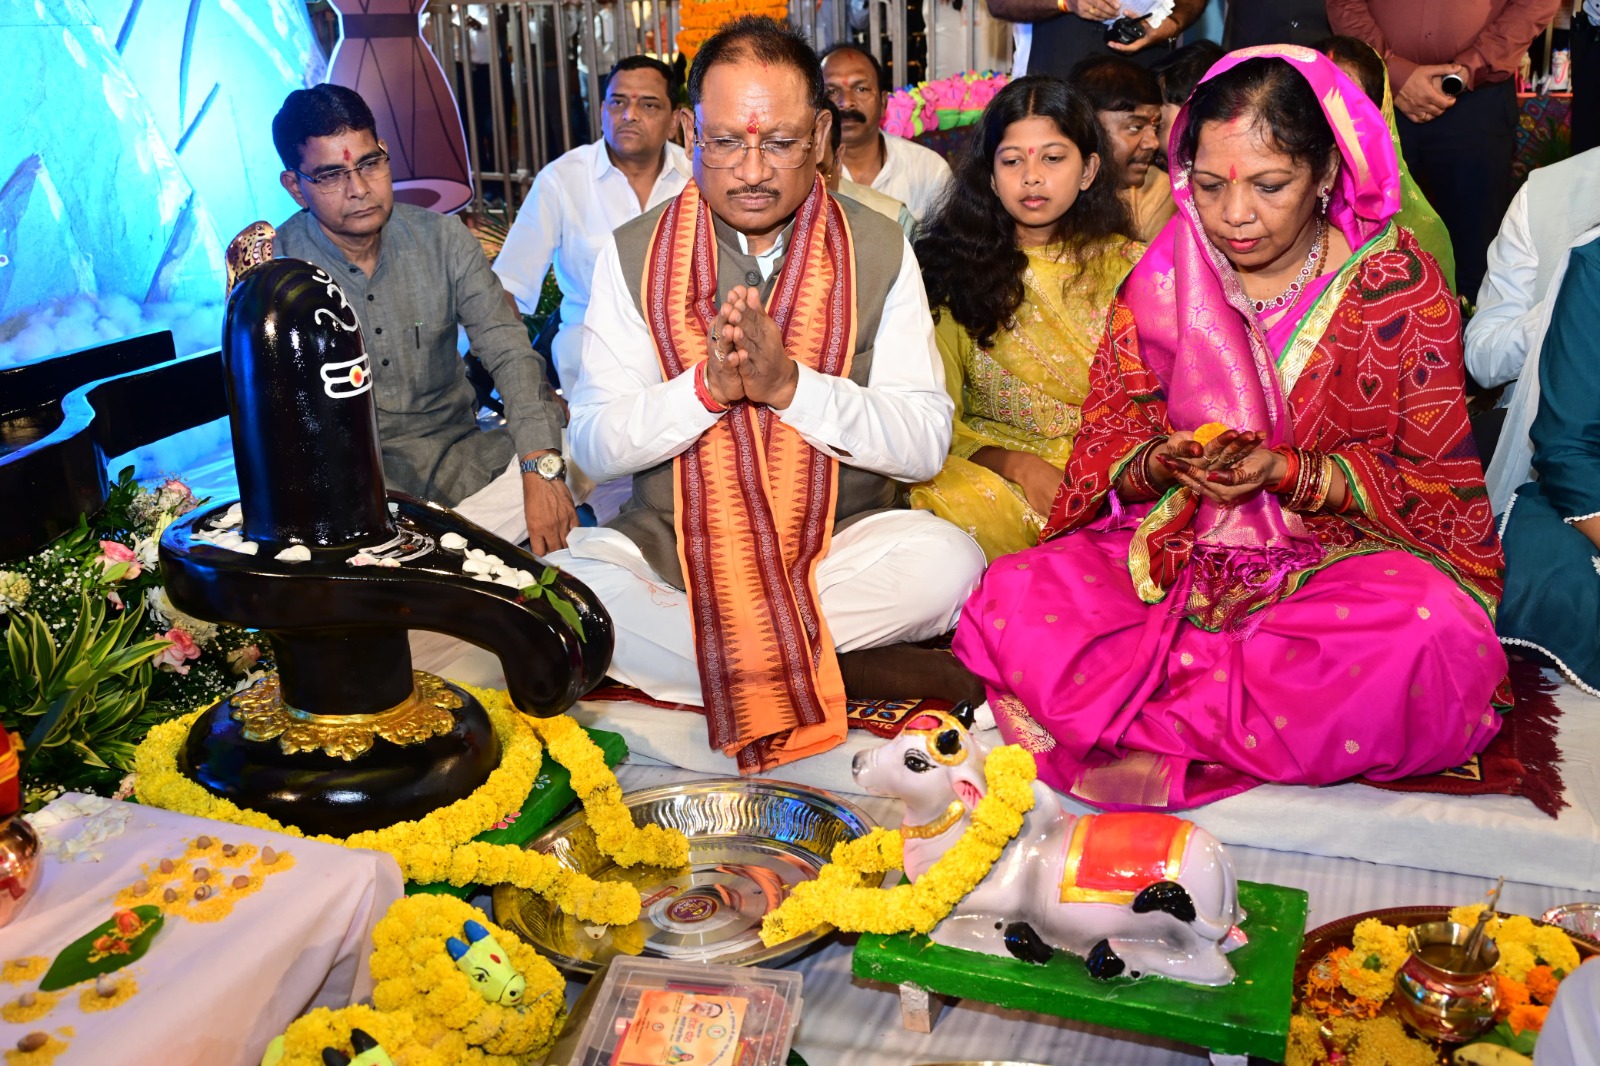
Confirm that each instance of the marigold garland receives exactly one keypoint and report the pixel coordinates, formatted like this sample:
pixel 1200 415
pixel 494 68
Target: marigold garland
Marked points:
pixel 699 19
pixel 625 843
pixel 838 896
pixel 439 847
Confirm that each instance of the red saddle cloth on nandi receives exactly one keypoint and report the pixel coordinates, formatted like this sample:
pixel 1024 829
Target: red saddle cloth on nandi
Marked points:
pixel 1111 858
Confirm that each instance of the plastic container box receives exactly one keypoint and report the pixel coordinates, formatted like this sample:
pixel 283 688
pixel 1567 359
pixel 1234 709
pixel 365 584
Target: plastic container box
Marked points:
pixel 651 1012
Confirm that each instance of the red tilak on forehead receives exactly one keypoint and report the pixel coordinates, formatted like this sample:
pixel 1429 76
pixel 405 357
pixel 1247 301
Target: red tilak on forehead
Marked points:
pixel 1030 151
pixel 347 155
pixel 751 126
pixel 1233 173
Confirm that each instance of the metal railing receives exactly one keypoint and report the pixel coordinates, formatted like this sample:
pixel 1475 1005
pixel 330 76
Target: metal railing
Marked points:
pixel 528 73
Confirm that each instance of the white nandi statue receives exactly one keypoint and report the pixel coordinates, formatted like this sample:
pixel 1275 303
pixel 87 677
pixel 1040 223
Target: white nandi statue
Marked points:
pixel 1134 893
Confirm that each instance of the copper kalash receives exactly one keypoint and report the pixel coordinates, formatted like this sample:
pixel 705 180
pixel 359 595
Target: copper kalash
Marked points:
pixel 343 735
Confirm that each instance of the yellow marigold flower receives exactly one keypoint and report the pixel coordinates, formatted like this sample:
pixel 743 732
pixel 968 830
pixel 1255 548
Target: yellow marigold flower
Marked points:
pixel 1376 952
pixel 837 897
pixel 439 847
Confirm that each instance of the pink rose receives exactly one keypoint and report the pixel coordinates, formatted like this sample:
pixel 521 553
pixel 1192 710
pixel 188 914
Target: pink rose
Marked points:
pixel 175 496
pixel 118 561
pixel 177 654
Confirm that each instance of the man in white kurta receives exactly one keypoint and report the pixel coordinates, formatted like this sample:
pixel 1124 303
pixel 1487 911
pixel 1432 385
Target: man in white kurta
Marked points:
pixel 1557 203
pixel 890 575
pixel 912 174
pixel 581 197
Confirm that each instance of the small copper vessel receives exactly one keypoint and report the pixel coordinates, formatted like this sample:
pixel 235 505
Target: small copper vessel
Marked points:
pixel 19 865
pixel 1438 992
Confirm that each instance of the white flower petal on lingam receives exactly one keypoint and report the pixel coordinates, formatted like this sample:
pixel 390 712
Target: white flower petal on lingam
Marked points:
pixel 233 516
pixel 248 547
pixel 294 553
pixel 452 542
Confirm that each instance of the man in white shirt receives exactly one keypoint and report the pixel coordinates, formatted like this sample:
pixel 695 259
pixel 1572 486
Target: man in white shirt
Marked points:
pixel 783 381
pixel 581 197
pixel 1558 203
pixel 832 177
pixel 910 173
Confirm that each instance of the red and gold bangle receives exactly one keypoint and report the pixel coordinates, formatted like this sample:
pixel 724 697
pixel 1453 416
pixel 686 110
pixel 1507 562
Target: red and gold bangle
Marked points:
pixel 1291 469
pixel 702 391
pixel 1137 473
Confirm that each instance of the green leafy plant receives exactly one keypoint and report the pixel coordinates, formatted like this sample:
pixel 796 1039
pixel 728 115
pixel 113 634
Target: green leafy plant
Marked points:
pixel 92 653
pixel 546 588
pixel 80 704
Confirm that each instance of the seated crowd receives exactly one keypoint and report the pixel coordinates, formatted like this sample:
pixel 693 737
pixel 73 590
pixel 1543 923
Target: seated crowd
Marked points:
pixel 1153 403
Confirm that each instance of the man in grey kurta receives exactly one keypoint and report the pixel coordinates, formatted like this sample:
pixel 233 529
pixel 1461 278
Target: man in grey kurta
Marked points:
pixel 414 277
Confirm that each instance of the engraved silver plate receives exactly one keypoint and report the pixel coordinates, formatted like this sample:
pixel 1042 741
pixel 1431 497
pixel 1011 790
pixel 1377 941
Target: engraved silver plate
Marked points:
pixel 750 841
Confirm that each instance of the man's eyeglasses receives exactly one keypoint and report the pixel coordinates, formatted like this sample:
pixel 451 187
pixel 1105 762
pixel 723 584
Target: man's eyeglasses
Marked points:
pixel 725 153
pixel 332 181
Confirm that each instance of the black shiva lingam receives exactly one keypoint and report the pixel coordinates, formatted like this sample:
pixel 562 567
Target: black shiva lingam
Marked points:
pixel 342 736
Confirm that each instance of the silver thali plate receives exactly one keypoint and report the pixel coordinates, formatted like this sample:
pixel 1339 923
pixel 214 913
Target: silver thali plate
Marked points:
pixel 750 842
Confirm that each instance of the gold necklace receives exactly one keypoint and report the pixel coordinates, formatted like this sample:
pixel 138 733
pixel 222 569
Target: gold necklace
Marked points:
pixel 952 814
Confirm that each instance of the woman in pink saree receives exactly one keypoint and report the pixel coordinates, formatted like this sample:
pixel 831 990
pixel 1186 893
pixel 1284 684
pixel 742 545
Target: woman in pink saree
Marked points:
pixel 1272 558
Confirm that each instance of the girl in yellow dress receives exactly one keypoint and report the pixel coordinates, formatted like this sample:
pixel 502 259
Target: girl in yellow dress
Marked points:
pixel 1020 262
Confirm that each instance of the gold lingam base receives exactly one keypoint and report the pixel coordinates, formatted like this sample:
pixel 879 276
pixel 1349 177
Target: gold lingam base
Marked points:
pixel 263 715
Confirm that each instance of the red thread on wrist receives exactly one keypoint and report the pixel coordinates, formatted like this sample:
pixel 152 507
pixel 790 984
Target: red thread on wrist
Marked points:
pixel 702 391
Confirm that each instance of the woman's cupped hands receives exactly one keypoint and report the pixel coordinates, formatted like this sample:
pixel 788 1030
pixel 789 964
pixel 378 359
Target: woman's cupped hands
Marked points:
pixel 1227 468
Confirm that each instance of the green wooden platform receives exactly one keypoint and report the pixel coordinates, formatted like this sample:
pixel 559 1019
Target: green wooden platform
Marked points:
pixel 551 795
pixel 1248 1017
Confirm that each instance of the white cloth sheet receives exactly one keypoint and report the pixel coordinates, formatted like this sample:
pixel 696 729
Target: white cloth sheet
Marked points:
pixel 891 577
pixel 912 174
pixel 1483 836
pixel 213 993
pixel 575 204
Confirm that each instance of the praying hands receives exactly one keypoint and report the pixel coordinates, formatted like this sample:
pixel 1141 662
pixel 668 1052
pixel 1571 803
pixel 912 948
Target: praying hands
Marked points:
pixel 748 360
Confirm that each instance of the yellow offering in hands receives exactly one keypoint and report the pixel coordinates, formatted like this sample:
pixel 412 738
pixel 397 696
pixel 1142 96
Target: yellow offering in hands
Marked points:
pixel 1209 432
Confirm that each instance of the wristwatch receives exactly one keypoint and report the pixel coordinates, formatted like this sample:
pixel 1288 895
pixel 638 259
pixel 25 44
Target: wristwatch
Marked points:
pixel 550 466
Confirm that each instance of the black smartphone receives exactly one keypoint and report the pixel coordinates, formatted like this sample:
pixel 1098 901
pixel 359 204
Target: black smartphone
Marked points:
pixel 1452 85
pixel 1125 31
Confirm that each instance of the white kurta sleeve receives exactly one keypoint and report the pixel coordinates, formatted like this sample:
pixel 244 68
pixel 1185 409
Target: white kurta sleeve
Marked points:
pixel 899 425
pixel 625 418
pixel 1508 316
pixel 531 244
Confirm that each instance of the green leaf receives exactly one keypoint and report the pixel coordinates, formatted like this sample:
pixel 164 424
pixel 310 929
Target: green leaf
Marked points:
pixel 568 613
pixel 1522 1043
pixel 73 965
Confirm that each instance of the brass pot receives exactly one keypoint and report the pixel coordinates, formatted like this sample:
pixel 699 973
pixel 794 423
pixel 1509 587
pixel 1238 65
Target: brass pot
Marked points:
pixel 1437 995
pixel 19 865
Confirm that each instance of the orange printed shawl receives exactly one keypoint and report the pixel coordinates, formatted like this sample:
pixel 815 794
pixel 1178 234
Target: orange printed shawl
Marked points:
pixel 753 501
